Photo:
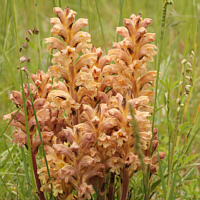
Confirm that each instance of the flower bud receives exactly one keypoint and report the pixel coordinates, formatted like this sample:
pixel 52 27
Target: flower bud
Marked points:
pixel 189 70
pixel 183 61
pixel 189 64
pixel 25 45
pixel 27 39
pixel 178 101
pixel 35 31
pixel 188 78
pixel 30 32
pixel 192 52
pixel 22 59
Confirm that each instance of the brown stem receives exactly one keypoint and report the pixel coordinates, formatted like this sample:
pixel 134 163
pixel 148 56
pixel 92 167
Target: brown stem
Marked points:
pixel 102 188
pixel 125 184
pixel 37 180
pixel 111 185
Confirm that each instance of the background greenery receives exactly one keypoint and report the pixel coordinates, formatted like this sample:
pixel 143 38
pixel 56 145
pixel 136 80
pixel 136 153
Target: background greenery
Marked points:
pixel 181 36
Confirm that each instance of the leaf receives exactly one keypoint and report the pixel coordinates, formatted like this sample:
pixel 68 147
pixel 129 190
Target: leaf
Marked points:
pixel 98 195
pixel 184 127
pixel 163 83
pixel 175 85
pixel 162 177
pixel 190 158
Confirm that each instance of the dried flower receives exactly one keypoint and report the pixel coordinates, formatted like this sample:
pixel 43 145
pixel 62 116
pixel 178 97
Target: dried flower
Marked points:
pixel 27 39
pixel 25 45
pixel 35 31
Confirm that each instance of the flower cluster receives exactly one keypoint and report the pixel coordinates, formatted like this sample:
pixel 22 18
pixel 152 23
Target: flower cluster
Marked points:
pixel 83 105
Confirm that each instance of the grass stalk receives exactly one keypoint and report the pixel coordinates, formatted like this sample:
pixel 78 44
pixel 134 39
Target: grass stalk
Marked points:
pixel 13 77
pixel 41 141
pixel 88 6
pixel 111 185
pixel 162 31
pixel 120 17
pixel 26 172
pixel 177 117
pixel 38 36
pixel 29 139
pixel 80 8
pixel 5 20
pixel 54 5
pixel 101 27
pixel 16 170
pixel 140 155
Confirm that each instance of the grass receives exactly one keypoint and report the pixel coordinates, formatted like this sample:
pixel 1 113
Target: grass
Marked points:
pixel 178 125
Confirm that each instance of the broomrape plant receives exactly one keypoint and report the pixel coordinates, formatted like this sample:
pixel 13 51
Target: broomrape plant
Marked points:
pixel 92 111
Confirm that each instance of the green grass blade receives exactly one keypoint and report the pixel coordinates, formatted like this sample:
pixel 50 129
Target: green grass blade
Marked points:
pixel 193 133
pixel 9 67
pixel 38 36
pixel 120 17
pixel 162 177
pixel 4 162
pixel 28 135
pixel 171 194
pixel 27 174
pixel 54 5
pixel 38 129
pixel 98 195
pixel 101 27
pixel 162 31
pixel 139 152
pixel 13 163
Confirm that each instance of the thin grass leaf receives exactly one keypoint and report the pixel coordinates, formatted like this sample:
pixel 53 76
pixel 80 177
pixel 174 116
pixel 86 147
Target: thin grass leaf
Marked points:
pixel 80 8
pixel 15 30
pixel 171 194
pixel 10 70
pixel 4 162
pixel 120 17
pixel 162 31
pixel 193 133
pixel 26 172
pixel 138 150
pixel 101 26
pixel 13 164
pixel 9 191
pixel 98 195
pixel 38 36
pixel 28 135
pixel 54 5
pixel 162 177
pixel 38 129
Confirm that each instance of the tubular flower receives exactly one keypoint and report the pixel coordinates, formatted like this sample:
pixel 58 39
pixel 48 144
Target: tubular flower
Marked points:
pixel 43 112
pixel 86 105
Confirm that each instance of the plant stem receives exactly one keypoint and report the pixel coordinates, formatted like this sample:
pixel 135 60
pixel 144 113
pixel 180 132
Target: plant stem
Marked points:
pixel 125 184
pixel 37 180
pixel 101 27
pixel 111 185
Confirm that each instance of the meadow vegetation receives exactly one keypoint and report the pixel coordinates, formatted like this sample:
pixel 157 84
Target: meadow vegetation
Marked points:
pixel 176 109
